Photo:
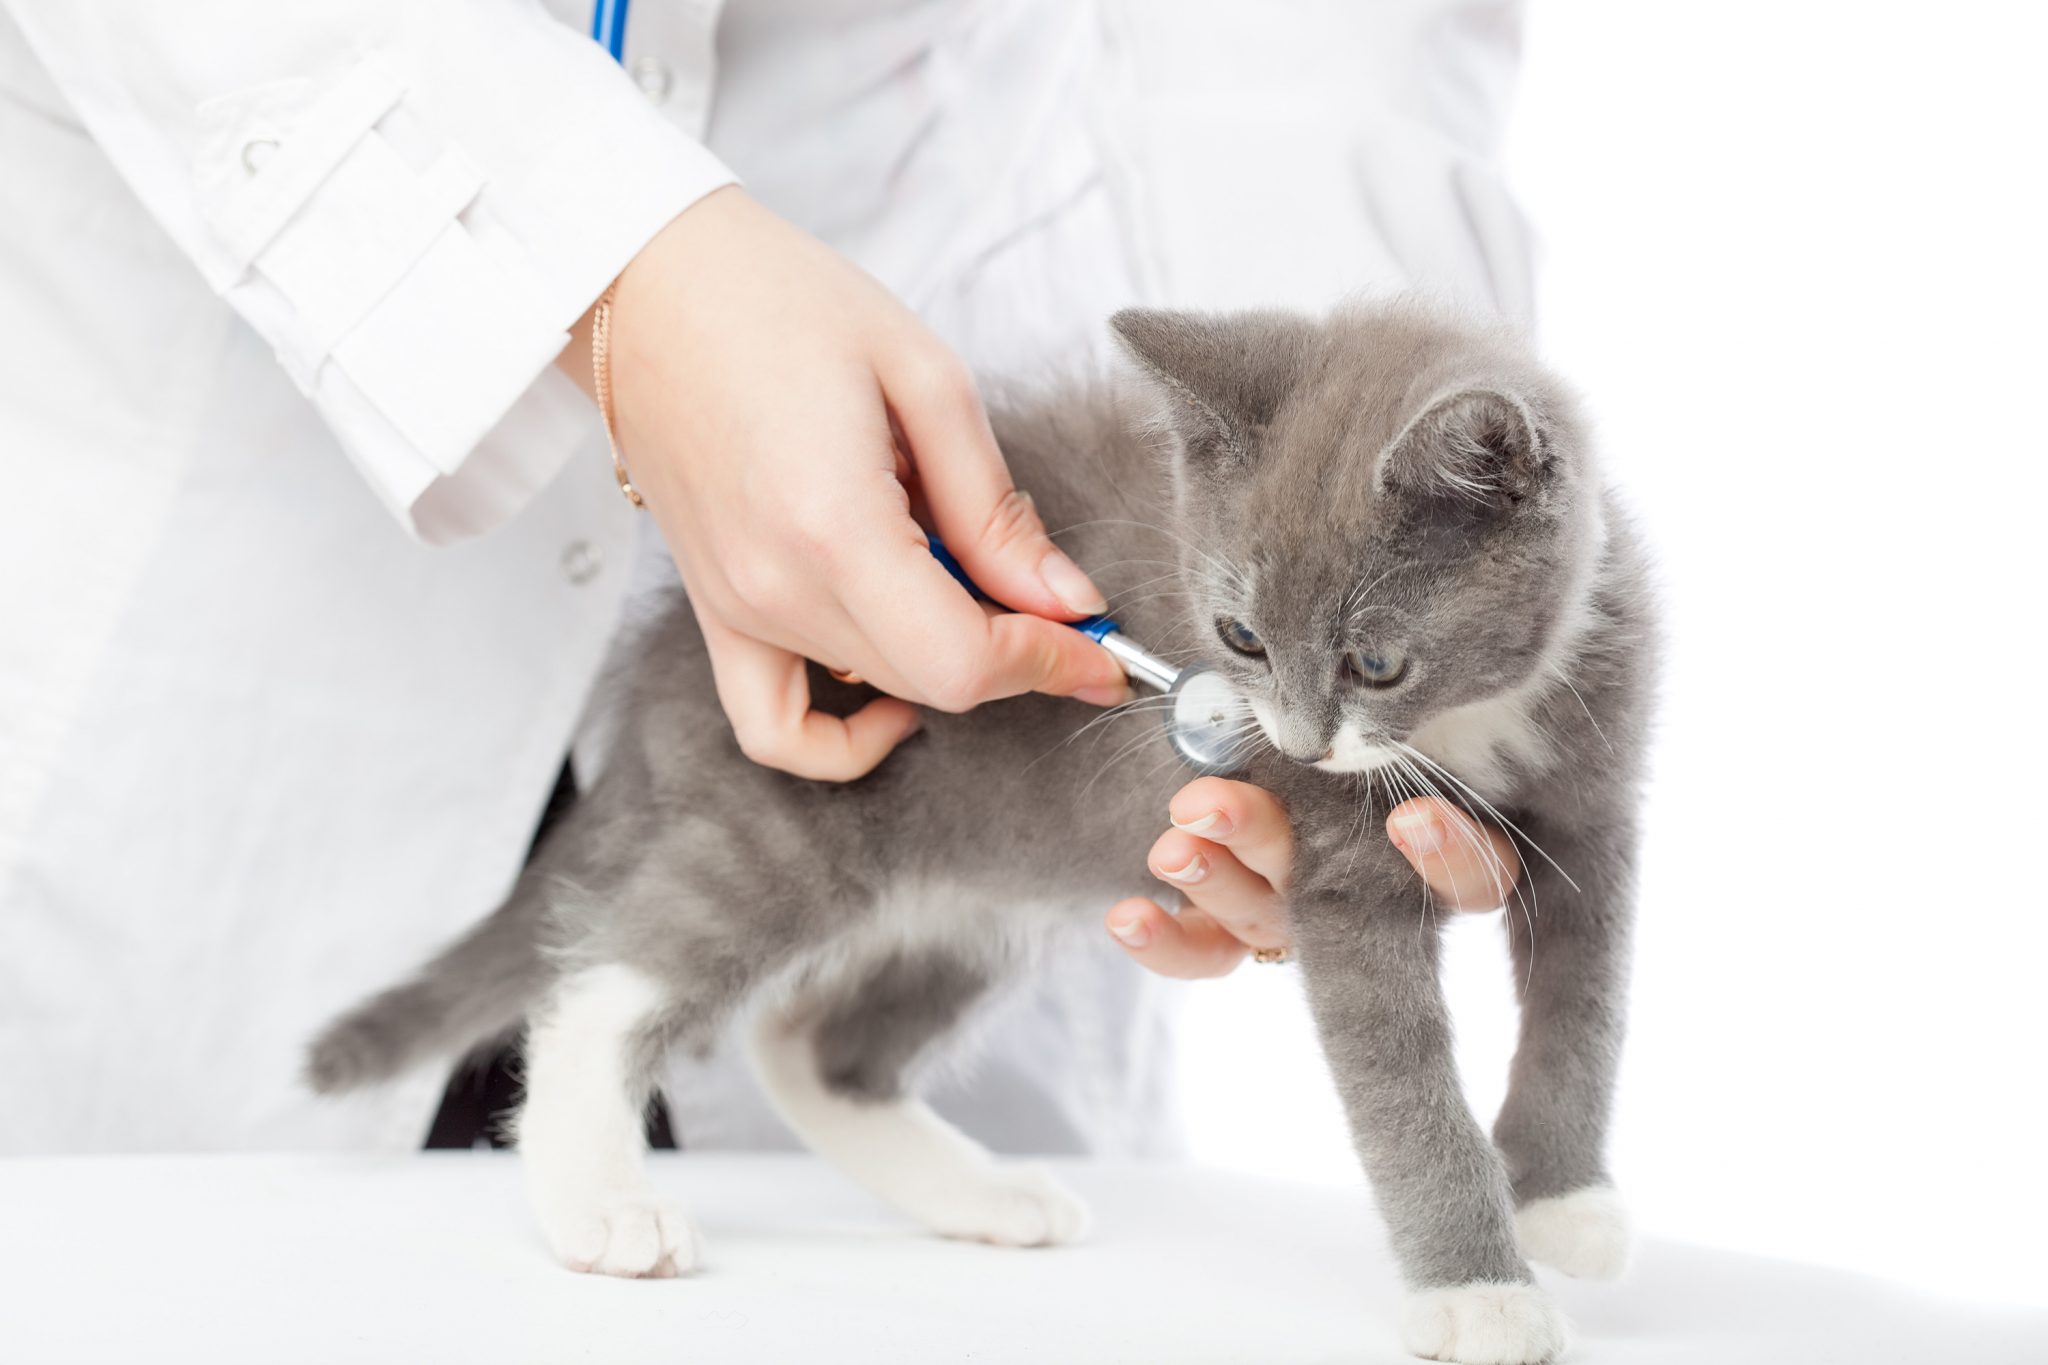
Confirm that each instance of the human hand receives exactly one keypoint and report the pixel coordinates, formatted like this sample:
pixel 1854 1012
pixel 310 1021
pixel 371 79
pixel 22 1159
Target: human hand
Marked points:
pixel 1230 850
pixel 785 418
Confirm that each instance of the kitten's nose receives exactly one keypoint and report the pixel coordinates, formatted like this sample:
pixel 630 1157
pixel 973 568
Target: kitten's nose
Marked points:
pixel 1297 733
pixel 1315 752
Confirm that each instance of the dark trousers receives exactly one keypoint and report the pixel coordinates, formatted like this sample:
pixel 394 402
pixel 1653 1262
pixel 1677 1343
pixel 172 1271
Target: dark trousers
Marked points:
pixel 484 1090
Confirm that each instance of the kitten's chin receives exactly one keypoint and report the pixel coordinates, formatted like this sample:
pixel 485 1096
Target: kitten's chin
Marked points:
pixel 1351 752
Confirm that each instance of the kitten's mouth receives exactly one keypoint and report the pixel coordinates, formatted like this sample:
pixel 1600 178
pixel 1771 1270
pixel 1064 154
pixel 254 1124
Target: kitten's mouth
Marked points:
pixel 1349 750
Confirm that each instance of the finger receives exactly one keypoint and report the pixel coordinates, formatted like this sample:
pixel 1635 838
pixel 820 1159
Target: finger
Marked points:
pixel 1466 865
pixel 1031 654
pixel 947 651
pixel 767 697
pixel 1212 878
pixel 1248 820
pixel 991 527
pixel 1189 946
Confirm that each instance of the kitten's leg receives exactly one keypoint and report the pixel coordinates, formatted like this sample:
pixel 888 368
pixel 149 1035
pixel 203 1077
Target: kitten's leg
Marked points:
pixel 1570 945
pixel 835 1071
pixel 590 1060
pixel 1371 972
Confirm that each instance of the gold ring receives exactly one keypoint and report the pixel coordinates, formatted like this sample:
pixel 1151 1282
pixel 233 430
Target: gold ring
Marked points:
pixel 846 675
pixel 1270 956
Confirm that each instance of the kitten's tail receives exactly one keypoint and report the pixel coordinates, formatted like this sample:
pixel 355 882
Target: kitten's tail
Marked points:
pixel 475 992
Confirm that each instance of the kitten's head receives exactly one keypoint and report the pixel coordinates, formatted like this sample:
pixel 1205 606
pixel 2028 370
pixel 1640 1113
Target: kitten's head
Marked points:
pixel 1389 514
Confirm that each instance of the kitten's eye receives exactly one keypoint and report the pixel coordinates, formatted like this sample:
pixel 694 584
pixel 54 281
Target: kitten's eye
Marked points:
pixel 1240 637
pixel 1375 667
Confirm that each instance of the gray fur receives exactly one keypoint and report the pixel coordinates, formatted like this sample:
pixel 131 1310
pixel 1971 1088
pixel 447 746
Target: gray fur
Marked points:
pixel 869 1038
pixel 474 993
pixel 1390 477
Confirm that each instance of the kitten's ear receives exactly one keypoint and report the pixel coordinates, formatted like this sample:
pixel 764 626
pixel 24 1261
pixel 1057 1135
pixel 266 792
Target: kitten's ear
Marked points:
pixel 1477 445
pixel 1223 376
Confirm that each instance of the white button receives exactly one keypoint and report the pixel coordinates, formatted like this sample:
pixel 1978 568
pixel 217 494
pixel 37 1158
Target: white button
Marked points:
pixel 654 79
pixel 256 152
pixel 581 562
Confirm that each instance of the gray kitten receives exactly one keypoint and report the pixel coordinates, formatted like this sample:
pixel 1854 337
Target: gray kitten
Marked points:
pixel 1386 529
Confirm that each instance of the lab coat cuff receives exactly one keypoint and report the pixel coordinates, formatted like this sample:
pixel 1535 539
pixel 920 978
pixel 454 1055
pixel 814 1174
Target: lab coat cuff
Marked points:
pixel 434 227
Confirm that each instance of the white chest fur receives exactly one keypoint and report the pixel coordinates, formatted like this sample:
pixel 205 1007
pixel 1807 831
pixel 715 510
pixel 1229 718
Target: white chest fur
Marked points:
pixel 1482 743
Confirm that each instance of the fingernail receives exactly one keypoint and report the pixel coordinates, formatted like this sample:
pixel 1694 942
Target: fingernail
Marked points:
pixel 1066 581
pixel 1197 868
pixel 1132 933
pixel 1418 833
pixel 1115 695
pixel 1214 825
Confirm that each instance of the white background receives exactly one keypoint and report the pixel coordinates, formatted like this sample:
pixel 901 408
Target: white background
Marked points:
pixel 1792 252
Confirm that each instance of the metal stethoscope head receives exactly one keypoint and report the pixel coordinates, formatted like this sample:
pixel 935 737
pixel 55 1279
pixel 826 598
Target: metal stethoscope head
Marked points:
pixel 1206 719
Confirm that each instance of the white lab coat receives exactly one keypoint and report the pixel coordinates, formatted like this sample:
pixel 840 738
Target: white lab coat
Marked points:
pixel 308 559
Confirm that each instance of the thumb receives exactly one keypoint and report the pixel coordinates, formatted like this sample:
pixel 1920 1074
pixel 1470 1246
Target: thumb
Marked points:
pixel 1466 865
pixel 989 525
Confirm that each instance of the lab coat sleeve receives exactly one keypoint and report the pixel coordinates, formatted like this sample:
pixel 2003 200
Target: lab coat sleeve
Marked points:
pixel 1288 152
pixel 411 200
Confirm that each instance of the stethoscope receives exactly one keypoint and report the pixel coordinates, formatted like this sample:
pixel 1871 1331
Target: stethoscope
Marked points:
pixel 608 27
pixel 1207 716
pixel 1206 720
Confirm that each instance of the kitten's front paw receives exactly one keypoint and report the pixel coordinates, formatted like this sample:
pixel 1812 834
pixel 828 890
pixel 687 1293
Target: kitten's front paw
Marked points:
pixel 1012 1206
pixel 1485 1324
pixel 636 1239
pixel 1586 1234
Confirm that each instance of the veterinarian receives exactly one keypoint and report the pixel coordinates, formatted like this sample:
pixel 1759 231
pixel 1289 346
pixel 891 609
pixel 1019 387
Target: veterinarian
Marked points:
pixel 313 546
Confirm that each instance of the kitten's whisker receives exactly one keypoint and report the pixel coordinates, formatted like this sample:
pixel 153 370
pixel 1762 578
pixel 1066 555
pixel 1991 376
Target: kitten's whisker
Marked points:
pixel 1403 788
pixel 1137 741
pixel 1350 613
pixel 1527 903
pixel 1171 534
pixel 1558 670
pixel 1133 706
pixel 1474 839
pixel 1430 789
pixel 1137 592
pixel 1490 808
pixel 1416 780
pixel 1503 884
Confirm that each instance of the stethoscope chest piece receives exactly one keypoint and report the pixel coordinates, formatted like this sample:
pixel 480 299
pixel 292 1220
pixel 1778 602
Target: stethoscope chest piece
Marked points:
pixel 1206 722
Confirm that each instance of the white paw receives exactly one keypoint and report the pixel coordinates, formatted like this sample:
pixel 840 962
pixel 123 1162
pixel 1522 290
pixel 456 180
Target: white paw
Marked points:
pixel 1485 1324
pixel 635 1239
pixel 1011 1206
pixel 1586 1233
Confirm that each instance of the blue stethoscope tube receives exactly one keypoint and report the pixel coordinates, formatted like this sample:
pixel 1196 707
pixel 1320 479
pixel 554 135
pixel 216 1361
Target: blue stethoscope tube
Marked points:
pixel 608 27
